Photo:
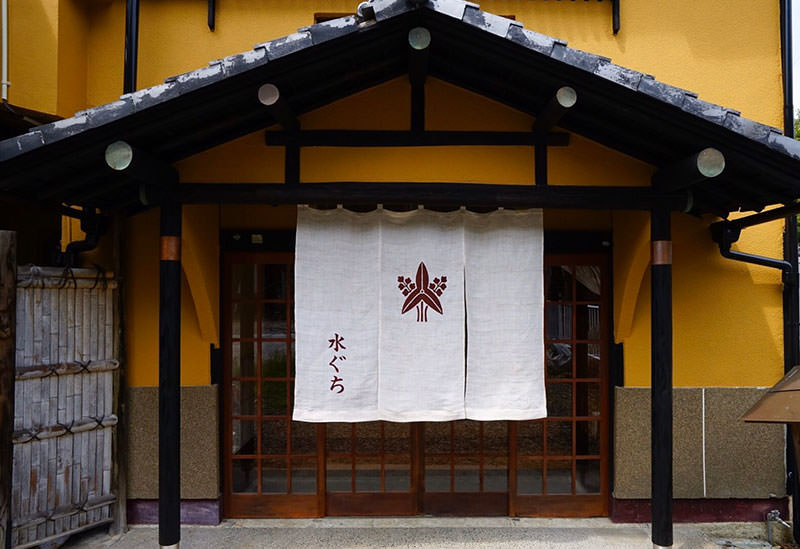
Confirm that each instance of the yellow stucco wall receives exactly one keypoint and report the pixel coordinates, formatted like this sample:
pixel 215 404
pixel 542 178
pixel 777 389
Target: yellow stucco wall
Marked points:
pixel 727 315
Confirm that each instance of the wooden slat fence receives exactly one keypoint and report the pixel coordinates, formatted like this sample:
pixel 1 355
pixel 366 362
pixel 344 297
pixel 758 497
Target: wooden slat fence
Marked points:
pixel 64 419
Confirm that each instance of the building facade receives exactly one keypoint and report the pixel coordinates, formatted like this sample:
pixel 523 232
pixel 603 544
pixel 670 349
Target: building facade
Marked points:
pixel 361 108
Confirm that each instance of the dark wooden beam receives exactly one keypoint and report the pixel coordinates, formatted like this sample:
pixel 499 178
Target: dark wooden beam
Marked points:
pixel 390 138
pixel 419 40
pixel 431 194
pixel 270 96
pixel 169 378
pixel 693 169
pixel 563 100
pixel 8 299
pixel 131 51
pixel 292 164
pixel 615 16
pixel 661 376
pixel 540 164
pixel 212 15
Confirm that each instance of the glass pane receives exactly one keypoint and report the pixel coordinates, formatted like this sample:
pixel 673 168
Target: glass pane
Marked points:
pixel 495 474
pixel 291 360
pixel 245 476
pixel 529 438
pixel 437 473
pixel 558 283
pixel 588 477
pixel 244 437
pixel 274 281
pixel 588 285
pixel 559 399
pixel 466 436
pixel 273 320
pixel 559 360
pixel 304 476
pixel 559 438
pixel 529 476
pixel 337 474
pixel 587 361
pixel 273 476
pixel 587 399
pixel 244 359
pixel 273 398
pixel 398 473
pixel 273 359
pixel 396 438
pixel 244 398
pixel 368 474
pixel 304 438
pixel 495 436
pixel 587 438
pixel 243 280
pixel 273 437
pixel 368 437
pixel 587 323
pixel 559 477
pixel 338 438
pixel 467 474
pixel 559 321
pixel 437 437
pixel 244 320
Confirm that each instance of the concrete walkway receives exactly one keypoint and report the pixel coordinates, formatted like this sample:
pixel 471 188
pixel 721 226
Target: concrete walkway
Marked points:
pixel 429 533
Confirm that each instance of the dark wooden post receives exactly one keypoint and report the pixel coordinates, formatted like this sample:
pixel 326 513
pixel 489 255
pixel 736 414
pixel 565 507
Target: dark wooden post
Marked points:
pixel 8 291
pixel 661 376
pixel 169 396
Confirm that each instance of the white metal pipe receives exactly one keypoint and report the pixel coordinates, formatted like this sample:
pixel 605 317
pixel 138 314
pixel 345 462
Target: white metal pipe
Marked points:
pixel 4 83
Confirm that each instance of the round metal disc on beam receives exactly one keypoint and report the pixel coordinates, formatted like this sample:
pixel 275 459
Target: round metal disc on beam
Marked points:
pixel 566 97
pixel 710 162
pixel 268 94
pixel 419 38
pixel 119 155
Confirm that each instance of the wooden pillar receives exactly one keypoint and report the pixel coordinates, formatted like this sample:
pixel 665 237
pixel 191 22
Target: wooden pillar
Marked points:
pixel 661 376
pixel 169 396
pixel 8 291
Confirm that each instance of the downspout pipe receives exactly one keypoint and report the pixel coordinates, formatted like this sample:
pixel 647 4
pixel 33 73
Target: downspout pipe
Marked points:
pixel 131 45
pixel 4 83
pixel 791 295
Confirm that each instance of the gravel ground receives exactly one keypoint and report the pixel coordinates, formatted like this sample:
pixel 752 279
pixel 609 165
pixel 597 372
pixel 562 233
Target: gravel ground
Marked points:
pixel 428 533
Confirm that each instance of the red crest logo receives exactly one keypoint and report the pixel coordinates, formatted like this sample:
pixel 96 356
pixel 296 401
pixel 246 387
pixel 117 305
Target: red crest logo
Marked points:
pixel 422 293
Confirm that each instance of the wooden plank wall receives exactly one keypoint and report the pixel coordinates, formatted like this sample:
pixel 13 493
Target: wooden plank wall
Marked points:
pixel 8 284
pixel 64 419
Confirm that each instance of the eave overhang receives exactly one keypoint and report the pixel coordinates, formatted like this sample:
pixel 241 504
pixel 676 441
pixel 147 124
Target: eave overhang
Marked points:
pixel 490 55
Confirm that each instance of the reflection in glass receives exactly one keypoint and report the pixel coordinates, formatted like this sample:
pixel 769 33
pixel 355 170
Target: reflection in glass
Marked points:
pixel 304 438
pixel 587 361
pixel 273 398
pixel 588 286
pixel 587 399
pixel 558 283
pixel 587 323
pixel 588 477
pixel 529 476
pixel 273 437
pixel 437 437
pixel 273 320
pixel 273 359
pixel 495 436
pixel 529 438
pixel 244 398
pixel 244 280
pixel 337 474
pixel 587 438
pixel 559 399
pixel 304 476
pixel 558 319
pixel 466 436
pixel 559 438
pixel 437 473
pixel 467 474
pixel 245 476
pixel 244 320
pixel 559 477
pixel 495 474
pixel 368 437
pixel 338 437
pixel 397 437
pixel 368 474
pixel 398 473
pixel 274 281
pixel 244 437
pixel 558 357
pixel 273 476
pixel 244 359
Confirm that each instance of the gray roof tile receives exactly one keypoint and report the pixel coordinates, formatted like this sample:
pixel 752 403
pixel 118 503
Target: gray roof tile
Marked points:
pixel 487 21
pixel 532 40
pixel 577 58
pixel 335 28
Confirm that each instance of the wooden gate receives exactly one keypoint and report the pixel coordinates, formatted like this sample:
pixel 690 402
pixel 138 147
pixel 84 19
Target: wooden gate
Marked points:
pixel 65 401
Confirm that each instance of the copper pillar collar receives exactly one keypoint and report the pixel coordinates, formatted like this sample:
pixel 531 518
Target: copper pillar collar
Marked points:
pixel 661 252
pixel 170 248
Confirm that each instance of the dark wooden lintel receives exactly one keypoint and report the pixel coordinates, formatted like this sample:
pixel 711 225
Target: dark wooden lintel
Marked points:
pixel 431 194
pixel 390 138
pixel 540 164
